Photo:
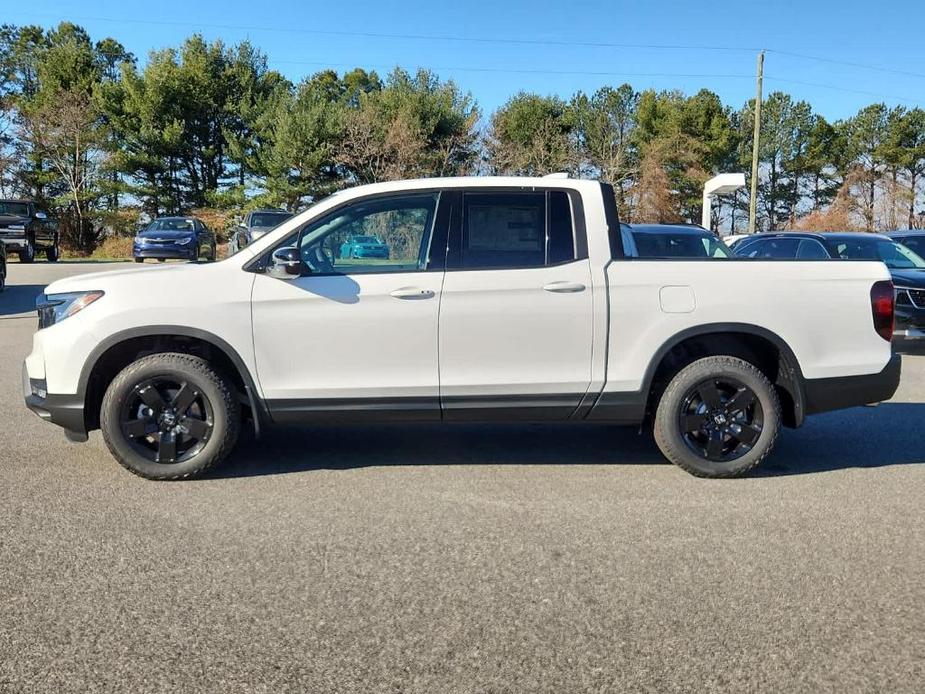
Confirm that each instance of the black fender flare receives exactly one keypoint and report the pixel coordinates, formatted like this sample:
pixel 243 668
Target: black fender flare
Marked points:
pixel 258 407
pixel 792 381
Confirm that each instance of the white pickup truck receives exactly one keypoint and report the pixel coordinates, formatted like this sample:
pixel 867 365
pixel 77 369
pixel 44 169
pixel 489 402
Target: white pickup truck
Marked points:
pixel 498 299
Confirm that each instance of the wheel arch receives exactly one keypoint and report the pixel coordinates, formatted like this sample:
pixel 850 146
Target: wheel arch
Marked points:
pixel 115 352
pixel 767 350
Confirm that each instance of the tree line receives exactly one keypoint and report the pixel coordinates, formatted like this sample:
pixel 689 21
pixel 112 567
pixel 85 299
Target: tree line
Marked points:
pixel 92 135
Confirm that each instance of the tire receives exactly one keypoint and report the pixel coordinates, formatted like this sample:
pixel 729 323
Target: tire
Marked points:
pixel 162 260
pixel 27 255
pixel 2 273
pixel 139 260
pixel 52 254
pixel 718 417
pixel 170 416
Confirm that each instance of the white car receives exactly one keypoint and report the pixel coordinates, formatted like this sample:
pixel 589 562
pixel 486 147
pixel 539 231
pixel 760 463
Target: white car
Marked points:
pixel 501 299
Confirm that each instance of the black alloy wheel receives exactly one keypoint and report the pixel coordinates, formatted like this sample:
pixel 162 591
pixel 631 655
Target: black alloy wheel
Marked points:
pixel 721 419
pixel 167 421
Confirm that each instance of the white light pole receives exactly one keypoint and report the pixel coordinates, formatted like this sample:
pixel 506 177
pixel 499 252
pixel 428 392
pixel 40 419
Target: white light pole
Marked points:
pixel 719 185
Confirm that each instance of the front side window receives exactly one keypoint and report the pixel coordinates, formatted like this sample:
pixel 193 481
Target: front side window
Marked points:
pixel 810 249
pixel 388 234
pixel 665 244
pixel 776 248
pixel 516 230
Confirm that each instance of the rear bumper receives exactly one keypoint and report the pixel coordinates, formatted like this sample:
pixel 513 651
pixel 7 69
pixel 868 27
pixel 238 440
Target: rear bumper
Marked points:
pixel 825 394
pixel 67 411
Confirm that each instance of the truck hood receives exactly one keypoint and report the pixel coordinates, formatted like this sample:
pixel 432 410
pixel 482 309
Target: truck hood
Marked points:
pixel 113 278
pixel 909 278
pixel 7 219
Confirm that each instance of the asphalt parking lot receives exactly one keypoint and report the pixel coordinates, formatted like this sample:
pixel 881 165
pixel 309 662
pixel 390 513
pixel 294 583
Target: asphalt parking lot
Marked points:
pixel 463 559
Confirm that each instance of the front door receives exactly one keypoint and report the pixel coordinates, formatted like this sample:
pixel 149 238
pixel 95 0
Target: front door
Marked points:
pixel 356 333
pixel 516 311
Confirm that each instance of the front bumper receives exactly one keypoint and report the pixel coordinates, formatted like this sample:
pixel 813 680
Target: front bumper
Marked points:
pixel 825 394
pixel 67 411
pixel 13 242
pixel 164 251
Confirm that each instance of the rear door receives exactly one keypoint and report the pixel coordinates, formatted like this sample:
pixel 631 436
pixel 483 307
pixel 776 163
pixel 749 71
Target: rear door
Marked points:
pixel 515 315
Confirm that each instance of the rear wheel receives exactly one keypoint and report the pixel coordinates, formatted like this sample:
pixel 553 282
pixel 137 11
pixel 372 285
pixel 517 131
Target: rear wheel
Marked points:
pixel 718 417
pixel 170 416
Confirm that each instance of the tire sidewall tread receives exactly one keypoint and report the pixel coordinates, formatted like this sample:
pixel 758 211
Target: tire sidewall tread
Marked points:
pixel 668 436
pixel 225 406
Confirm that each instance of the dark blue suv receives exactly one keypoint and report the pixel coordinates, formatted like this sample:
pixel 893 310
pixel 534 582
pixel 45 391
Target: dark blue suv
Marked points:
pixel 185 238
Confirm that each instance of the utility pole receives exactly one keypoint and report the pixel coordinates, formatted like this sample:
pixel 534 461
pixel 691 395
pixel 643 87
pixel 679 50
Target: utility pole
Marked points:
pixel 753 197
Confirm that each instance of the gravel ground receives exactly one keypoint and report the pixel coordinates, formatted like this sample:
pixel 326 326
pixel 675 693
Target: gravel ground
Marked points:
pixel 460 559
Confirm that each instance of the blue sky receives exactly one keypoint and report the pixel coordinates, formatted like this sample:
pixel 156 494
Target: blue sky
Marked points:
pixel 881 34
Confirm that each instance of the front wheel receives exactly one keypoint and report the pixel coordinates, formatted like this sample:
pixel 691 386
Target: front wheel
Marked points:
pixel 27 254
pixel 718 417
pixel 52 254
pixel 170 416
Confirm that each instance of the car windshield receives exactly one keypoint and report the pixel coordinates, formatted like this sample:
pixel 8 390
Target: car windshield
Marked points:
pixel 894 255
pixel 679 245
pixel 365 239
pixel 268 219
pixel 171 225
pixel 17 209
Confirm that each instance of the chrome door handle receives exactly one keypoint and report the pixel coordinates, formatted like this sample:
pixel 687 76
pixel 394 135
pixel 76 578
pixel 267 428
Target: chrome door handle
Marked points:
pixel 564 287
pixel 412 293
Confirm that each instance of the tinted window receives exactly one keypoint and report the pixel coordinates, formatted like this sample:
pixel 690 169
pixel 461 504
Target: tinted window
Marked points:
pixel 770 248
pixel 811 250
pixel 516 230
pixel 666 244
pixel 403 224
pixel 892 254
pixel 916 243
pixel 17 209
pixel 267 219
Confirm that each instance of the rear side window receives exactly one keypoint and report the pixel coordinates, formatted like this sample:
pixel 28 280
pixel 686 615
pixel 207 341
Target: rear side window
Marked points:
pixel 811 250
pixel 771 248
pixel 516 230
pixel 916 243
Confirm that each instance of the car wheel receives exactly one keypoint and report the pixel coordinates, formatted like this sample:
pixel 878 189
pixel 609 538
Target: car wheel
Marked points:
pixel 139 260
pixel 27 254
pixel 162 260
pixel 718 417
pixel 2 274
pixel 52 254
pixel 170 416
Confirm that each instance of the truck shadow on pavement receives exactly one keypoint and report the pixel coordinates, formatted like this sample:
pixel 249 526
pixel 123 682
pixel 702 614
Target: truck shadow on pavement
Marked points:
pixel 857 438
pixel 19 298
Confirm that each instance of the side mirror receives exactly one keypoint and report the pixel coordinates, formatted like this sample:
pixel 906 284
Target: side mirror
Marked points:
pixel 41 215
pixel 286 263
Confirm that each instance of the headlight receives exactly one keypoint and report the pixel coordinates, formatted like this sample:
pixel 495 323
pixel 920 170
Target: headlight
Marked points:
pixel 54 308
pixel 139 240
pixel 183 242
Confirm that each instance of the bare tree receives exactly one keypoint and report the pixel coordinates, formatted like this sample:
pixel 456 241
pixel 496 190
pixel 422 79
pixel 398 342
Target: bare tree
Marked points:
pixel 64 128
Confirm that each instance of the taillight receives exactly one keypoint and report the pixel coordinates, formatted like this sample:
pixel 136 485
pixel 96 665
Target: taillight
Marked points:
pixel 882 299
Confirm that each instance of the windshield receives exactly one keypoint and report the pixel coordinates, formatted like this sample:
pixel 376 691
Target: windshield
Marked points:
pixel 18 209
pixel 682 245
pixel 895 256
pixel 268 219
pixel 365 239
pixel 171 225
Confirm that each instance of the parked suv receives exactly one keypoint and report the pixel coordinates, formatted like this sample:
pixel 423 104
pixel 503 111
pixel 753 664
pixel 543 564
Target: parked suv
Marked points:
pixel 186 238
pixel 502 299
pixel 27 231
pixel 672 241
pixel 256 223
pixel 906 267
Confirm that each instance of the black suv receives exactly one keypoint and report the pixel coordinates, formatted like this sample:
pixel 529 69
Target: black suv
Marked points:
pixel 27 231
pixel 906 267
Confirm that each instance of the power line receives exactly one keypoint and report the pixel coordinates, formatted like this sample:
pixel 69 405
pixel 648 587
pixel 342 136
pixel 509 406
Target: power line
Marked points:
pixel 848 63
pixel 844 89
pixel 524 71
